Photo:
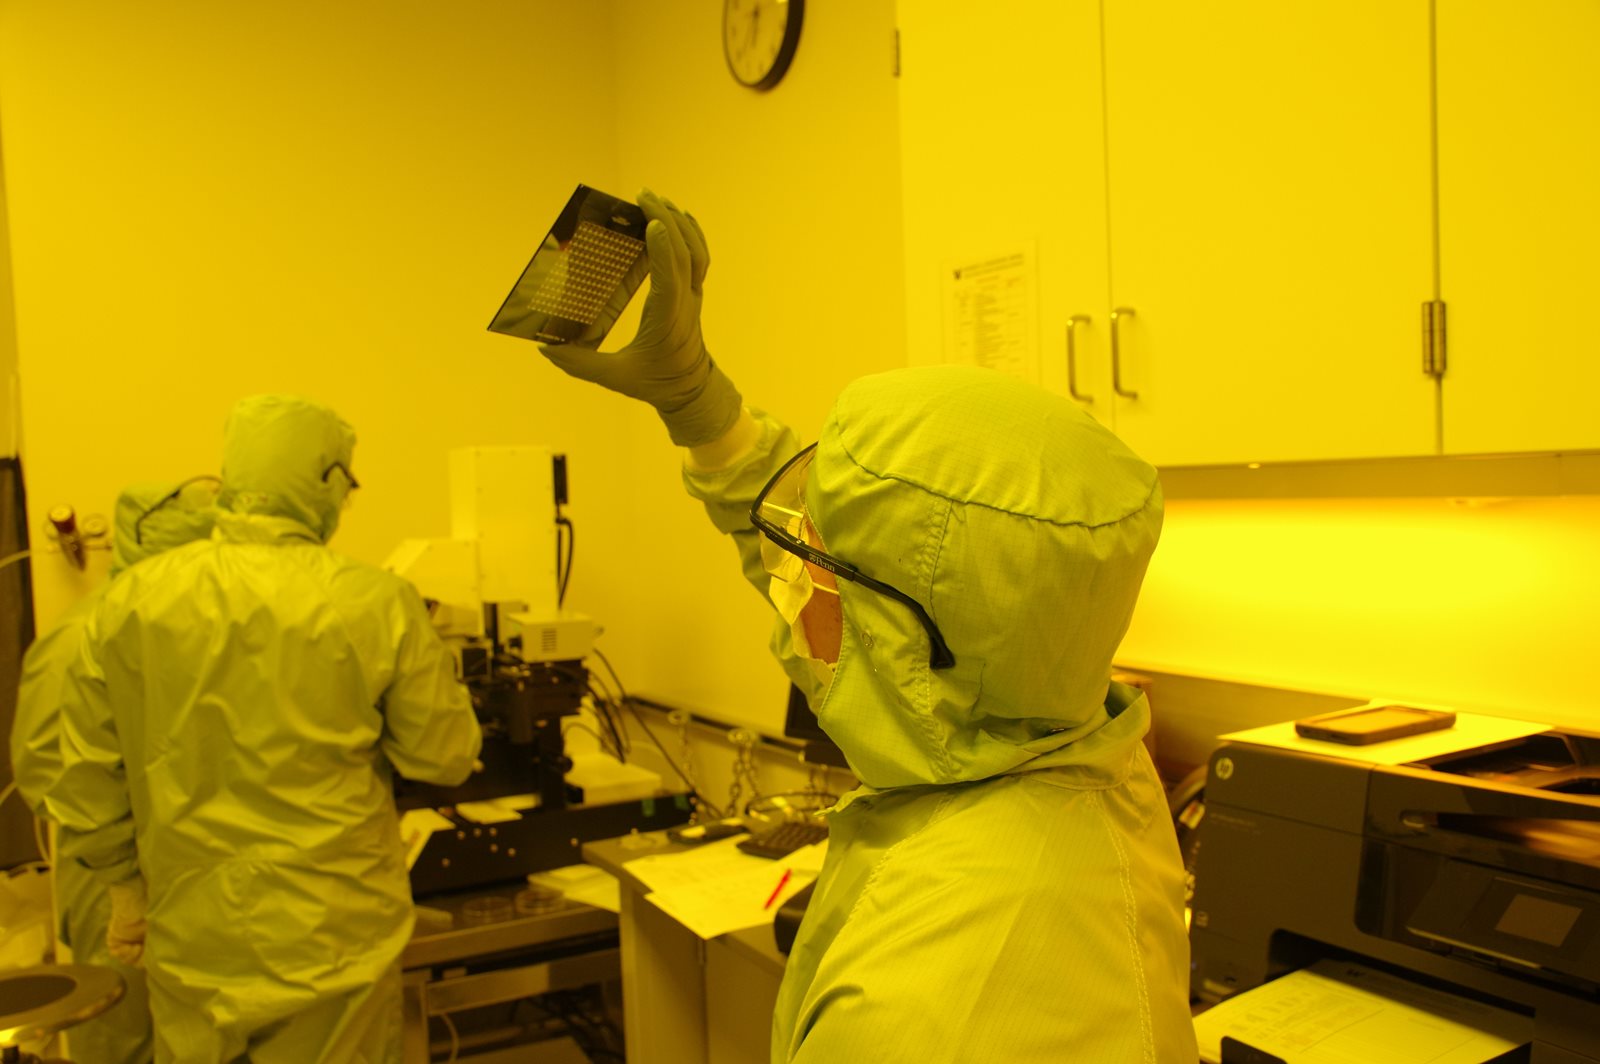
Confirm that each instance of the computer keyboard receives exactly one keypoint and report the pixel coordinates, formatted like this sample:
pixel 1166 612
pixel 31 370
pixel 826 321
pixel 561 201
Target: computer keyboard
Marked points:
pixel 784 839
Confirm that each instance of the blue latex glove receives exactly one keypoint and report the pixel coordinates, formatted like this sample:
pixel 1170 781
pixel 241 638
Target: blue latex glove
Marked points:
pixel 666 364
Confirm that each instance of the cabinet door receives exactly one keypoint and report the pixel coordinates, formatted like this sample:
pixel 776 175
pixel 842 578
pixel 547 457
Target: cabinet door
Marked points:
pixel 1519 222
pixel 1002 155
pixel 1270 226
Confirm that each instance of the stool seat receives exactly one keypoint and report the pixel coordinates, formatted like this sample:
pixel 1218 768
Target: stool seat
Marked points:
pixel 37 1002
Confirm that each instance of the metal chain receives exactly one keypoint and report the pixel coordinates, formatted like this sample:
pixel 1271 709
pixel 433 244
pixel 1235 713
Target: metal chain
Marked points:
pixel 680 719
pixel 744 768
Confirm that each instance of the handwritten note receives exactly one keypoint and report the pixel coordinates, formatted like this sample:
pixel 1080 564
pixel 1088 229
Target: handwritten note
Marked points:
pixel 1336 1012
pixel 717 888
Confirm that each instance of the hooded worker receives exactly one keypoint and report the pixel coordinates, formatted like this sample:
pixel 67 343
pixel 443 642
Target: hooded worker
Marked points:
pixel 953 565
pixel 150 519
pixel 230 734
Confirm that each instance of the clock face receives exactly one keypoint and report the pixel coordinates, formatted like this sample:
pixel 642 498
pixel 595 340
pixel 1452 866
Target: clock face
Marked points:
pixel 759 39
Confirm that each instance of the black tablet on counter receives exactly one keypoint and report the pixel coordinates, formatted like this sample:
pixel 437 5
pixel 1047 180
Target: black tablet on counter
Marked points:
pixel 1374 724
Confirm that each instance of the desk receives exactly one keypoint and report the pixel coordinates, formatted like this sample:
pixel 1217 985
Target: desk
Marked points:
pixel 686 1000
pixel 494 950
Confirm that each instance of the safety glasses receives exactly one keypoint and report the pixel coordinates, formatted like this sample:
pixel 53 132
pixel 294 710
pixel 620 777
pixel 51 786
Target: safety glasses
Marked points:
pixel 779 513
pixel 138 525
pixel 341 467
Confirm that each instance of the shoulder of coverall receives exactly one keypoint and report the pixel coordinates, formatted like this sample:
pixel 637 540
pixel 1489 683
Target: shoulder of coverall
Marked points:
pixel 277 452
pixel 36 729
pixel 143 532
pixel 380 615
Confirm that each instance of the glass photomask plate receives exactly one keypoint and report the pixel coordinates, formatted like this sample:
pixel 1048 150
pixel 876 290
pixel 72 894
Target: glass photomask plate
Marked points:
pixel 580 280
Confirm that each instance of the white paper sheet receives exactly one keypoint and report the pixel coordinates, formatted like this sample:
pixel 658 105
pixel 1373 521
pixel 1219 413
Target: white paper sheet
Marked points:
pixel 583 883
pixel 991 312
pixel 1335 1012
pixel 493 811
pixel 1470 730
pixel 716 888
pixel 417 826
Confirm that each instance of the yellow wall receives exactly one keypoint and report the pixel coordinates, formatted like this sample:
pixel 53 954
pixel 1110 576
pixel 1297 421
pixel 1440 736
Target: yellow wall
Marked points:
pixel 1483 604
pixel 799 193
pixel 209 201
pixel 212 200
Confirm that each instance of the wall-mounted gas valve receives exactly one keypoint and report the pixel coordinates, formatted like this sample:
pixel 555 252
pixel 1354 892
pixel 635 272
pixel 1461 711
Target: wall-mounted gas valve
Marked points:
pixel 74 538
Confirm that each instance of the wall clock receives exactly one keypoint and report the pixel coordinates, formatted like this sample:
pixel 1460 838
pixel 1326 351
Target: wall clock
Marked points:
pixel 759 38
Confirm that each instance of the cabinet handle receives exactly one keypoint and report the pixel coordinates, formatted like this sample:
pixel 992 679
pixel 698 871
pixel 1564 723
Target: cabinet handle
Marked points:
pixel 1116 352
pixel 1072 357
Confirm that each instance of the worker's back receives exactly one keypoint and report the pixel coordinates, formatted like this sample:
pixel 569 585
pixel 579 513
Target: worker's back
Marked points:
pixel 238 708
pixel 261 686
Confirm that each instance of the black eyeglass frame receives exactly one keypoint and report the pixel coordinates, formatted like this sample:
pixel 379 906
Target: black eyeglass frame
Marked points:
pixel 939 655
pixel 138 524
pixel 341 467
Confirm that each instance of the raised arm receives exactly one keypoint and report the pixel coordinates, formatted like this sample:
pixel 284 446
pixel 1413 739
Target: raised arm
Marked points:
pixel 666 364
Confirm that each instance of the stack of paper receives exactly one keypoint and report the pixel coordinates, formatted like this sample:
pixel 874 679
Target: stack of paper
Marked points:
pixel 1335 1012
pixel 582 883
pixel 717 888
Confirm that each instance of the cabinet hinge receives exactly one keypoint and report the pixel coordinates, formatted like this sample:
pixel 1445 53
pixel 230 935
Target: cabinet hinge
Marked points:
pixel 1435 348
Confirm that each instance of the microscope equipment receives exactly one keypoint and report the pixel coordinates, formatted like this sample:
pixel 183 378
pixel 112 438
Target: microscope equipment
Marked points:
pixel 495 589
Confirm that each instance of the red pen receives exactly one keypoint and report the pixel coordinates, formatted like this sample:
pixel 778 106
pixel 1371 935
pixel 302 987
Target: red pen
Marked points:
pixel 778 889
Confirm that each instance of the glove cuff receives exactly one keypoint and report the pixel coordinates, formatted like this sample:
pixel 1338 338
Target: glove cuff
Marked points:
pixel 708 414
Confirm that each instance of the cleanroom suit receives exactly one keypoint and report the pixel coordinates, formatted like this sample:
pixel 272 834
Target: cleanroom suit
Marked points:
pixel 121 1035
pixel 230 733
pixel 1005 884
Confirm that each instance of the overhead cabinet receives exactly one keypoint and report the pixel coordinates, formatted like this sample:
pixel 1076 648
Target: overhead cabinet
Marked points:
pixel 1519 223
pixel 1270 228
pixel 1230 213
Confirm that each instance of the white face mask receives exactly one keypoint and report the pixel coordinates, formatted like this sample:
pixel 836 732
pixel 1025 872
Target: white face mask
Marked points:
pixel 790 598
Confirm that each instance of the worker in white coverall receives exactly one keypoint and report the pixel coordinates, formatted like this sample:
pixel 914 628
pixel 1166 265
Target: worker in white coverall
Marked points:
pixel 150 519
pixel 230 733
pixel 954 564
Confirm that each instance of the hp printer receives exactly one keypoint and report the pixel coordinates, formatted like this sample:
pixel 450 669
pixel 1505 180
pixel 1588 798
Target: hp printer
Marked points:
pixel 1476 872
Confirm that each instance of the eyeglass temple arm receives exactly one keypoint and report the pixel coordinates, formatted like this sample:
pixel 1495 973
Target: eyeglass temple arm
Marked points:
pixel 939 655
pixel 138 524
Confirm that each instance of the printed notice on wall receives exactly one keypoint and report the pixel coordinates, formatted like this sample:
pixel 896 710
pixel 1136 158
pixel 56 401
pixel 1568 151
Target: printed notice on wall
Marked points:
pixel 989 306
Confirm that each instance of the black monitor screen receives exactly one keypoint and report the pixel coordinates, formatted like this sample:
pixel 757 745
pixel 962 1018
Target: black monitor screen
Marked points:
pixel 800 723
